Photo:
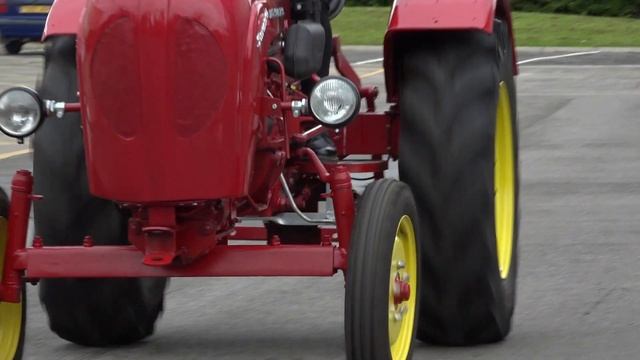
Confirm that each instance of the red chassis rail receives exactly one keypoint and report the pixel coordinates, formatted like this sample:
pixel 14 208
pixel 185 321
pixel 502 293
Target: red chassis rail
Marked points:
pixel 223 260
pixel 90 261
pixel 371 133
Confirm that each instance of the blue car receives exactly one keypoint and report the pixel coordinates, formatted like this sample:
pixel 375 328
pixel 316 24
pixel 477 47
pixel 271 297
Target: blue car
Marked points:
pixel 22 21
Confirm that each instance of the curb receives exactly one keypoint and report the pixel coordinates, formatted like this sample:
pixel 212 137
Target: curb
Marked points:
pixel 537 49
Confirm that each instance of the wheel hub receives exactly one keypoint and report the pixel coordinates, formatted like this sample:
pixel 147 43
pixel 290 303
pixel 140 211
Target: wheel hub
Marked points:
pixel 402 289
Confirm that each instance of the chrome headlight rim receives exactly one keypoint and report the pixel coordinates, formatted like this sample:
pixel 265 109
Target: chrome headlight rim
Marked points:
pixel 357 103
pixel 41 108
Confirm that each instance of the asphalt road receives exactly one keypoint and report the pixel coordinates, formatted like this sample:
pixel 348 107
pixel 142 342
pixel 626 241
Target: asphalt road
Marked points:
pixel 579 284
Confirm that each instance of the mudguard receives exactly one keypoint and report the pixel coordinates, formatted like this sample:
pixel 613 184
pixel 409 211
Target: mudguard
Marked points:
pixel 64 18
pixel 411 16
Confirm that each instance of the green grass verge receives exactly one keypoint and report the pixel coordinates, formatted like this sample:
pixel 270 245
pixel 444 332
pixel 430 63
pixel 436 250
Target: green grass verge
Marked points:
pixel 366 26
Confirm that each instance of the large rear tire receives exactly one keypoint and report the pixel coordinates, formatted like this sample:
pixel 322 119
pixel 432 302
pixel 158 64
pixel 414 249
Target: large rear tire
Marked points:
pixel 458 152
pixel 92 312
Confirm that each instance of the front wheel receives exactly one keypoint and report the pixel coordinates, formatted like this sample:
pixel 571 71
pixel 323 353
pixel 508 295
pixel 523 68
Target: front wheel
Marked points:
pixel 381 308
pixel 92 312
pixel 12 316
pixel 13 47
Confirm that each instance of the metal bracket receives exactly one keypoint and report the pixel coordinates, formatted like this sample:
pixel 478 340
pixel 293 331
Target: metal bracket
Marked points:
pixel 295 208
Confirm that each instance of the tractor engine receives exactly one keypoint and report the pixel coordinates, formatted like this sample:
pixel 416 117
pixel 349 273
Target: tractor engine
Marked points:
pixel 169 92
pixel 167 88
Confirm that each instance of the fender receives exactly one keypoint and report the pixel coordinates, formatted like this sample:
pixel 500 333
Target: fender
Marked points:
pixel 411 16
pixel 64 18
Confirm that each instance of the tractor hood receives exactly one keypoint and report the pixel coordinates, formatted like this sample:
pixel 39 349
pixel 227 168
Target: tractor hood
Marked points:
pixel 167 89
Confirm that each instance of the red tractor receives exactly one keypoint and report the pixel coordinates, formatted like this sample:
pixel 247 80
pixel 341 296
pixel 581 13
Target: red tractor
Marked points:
pixel 166 128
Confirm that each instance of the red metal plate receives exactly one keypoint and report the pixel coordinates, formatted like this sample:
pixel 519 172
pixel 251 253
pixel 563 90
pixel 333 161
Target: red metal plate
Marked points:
pixel 126 262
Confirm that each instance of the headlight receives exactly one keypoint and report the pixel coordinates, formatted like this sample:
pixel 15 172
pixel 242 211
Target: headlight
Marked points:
pixel 334 101
pixel 21 112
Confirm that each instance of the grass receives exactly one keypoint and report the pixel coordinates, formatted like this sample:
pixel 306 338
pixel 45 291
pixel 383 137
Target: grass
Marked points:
pixel 366 26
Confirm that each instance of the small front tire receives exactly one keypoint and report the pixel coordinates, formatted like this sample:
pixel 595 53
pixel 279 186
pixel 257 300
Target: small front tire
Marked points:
pixel 381 307
pixel 12 316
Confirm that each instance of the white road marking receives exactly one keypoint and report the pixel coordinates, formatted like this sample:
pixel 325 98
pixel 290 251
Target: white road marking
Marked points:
pixel 627 66
pixel 558 57
pixel 373 61
pixel 11 154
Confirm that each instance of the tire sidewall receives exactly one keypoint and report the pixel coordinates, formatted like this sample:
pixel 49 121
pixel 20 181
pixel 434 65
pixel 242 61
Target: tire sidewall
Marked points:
pixel 381 236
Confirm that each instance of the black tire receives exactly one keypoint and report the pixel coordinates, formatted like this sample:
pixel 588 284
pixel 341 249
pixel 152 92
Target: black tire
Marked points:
pixel 448 101
pixel 367 309
pixel 92 312
pixel 17 354
pixel 13 47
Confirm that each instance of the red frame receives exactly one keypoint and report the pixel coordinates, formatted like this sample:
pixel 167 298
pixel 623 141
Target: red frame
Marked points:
pixel 174 237
pixel 322 258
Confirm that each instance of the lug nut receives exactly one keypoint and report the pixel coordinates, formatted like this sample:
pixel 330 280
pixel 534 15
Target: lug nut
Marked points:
pixel 397 316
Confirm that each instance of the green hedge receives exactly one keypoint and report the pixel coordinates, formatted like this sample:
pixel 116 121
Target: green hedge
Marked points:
pixel 368 2
pixel 630 8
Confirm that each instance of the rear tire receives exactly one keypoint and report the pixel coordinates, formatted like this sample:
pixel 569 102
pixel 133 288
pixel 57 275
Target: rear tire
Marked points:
pixel 92 312
pixel 13 47
pixel 376 327
pixel 449 103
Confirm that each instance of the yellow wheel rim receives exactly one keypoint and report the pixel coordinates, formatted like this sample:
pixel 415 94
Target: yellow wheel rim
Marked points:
pixel 404 271
pixel 504 180
pixel 10 314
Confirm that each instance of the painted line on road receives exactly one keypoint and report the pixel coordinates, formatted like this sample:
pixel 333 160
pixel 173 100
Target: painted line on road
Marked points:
pixel 622 66
pixel 373 73
pixel 583 53
pixel 558 57
pixel 8 155
pixel 365 62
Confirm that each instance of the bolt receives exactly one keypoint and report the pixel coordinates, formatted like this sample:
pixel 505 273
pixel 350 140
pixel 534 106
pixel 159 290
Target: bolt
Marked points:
pixel 207 229
pixel 406 277
pixel 299 6
pixel 88 241
pixel 274 106
pixel 275 240
pixel 400 264
pixel 37 242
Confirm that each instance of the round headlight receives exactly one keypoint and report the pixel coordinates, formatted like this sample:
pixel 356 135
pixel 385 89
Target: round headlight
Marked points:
pixel 21 112
pixel 334 101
